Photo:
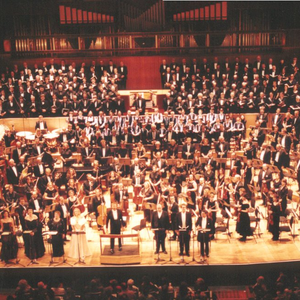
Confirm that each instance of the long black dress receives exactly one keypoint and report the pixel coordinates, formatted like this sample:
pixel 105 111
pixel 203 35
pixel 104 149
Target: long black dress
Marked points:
pixel 243 225
pixel 9 248
pixel 34 244
pixel 57 240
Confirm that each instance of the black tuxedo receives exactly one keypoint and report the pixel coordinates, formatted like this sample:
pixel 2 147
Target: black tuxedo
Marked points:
pixel 191 151
pixel 15 155
pixel 264 175
pixel 117 194
pixel 162 224
pixel 115 226
pixel 38 125
pixel 12 177
pixel 37 171
pixel 184 236
pixel 203 237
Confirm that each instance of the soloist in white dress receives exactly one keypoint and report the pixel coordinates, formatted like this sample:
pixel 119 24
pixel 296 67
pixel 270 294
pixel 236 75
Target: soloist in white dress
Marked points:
pixel 78 246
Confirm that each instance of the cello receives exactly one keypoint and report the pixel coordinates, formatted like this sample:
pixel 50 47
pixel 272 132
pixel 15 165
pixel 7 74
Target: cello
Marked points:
pixel 102 215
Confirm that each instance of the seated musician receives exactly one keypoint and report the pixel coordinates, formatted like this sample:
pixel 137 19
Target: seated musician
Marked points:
pixel 39 169
pixel 66 152
pixel 44 180
pixel 136 166
pixel 140 150
pixel 117 167
pixel 86 151
pixel 155 178
pixel 37 148
pixel 172 151
pixel 89 185
pixel 113 180
pixel 11 197
pixel 160 164
pixel 50 194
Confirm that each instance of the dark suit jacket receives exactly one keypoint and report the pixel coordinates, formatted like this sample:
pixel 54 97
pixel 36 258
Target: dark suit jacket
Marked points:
pixel 118 195
pixel 208 226
pixel 189 224
pixel 37 125
pixel 162 222
pixel 115 225
pixel 59 208
pixel 11 177
pixel 268 177
pixel 184 150
pixel 15 155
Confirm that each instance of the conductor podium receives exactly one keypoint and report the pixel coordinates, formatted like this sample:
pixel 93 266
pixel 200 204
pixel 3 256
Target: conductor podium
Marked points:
pixel 130 254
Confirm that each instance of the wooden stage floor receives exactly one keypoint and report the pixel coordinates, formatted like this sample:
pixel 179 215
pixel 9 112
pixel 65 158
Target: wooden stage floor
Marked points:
pixel 260 251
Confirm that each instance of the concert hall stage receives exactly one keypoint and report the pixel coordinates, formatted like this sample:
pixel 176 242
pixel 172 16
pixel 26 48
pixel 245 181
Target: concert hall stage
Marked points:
pixel 230 263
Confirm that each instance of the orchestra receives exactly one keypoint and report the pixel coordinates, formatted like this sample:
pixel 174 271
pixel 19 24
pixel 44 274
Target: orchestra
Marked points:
pixel 181 169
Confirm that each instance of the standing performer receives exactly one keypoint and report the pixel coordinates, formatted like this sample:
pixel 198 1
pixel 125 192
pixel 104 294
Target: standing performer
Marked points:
pixel 184 228
pixel 34 244
pixel 275 218
pixel 78 247
pixel 243 223
pixel 57 224
pixel 160 223
pixel 9 248
pixel 114 216
pixel 173 210
pixel 203 223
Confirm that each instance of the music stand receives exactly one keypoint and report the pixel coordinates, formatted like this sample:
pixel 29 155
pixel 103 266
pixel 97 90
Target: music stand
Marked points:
pixel 170 252
pixel 183 230
pixel 9 263
pixel 193 257
pixel 204 230
pixel 32 261
pixel 78 233
pixel 158 259
pixel 51 234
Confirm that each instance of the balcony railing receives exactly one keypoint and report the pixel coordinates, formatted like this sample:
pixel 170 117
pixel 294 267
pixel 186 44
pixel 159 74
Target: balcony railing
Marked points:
pixel 152 43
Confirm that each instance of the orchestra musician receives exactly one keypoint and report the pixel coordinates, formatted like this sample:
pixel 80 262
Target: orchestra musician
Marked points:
pixel 173 210
pixel 148 196
pixel 160 224
pixel 64 214
pixel 184 228
pixel 274 217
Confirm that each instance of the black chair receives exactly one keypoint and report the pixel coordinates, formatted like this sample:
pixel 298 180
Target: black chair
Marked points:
pixel 139 228
pixel 222 225
pixel 285 226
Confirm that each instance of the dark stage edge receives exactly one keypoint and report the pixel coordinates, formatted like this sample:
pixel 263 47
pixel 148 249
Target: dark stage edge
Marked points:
pixel 214 275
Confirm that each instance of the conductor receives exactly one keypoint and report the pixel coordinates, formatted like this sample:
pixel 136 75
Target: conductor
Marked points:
pixel 114 216
pixel 159 224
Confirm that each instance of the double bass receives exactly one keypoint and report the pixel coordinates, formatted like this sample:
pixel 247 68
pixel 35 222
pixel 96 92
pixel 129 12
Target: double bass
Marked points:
pixel 102 215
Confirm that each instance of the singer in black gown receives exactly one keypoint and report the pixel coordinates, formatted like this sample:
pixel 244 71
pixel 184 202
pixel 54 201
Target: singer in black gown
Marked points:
pixel 9 247
pixel 57 224
pixel 34 243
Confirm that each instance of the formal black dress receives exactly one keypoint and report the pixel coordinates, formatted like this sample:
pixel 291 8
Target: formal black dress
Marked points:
pixel 9 248
pixel 243 224
pixel 34 244
pixel 57 240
